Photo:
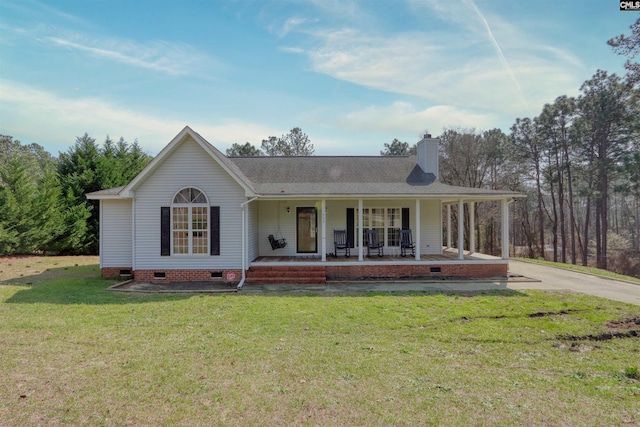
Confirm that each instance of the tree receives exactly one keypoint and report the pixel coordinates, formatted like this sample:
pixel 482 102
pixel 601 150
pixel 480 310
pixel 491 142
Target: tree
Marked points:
pixel 528 149
pixel 609 118
pixel 295 143
pixel 472 159
pixel 30 218
pixel 398 148
pixel 85 168
pixel 246 150
pixel 629 46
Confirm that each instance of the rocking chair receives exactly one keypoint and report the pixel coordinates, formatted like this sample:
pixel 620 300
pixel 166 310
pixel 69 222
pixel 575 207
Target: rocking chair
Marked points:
pixel 340 243
pixel 406 242
pixel 374 243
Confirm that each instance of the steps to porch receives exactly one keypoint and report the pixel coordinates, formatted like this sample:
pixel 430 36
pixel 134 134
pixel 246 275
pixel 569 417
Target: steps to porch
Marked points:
pixel 302 275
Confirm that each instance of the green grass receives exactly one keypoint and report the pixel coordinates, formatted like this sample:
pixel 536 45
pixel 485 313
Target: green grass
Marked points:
pixel 582 269
pixel 73 353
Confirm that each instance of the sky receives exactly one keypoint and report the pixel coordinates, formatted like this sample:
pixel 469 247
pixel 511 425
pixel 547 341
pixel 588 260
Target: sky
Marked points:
pixel 353 75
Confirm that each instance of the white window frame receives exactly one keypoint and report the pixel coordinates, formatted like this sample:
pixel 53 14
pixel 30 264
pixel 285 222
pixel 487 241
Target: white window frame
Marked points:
pixel 191 205
pixel 368 218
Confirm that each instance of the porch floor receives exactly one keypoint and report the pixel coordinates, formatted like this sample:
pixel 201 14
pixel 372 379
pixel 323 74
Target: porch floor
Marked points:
pixel 449 255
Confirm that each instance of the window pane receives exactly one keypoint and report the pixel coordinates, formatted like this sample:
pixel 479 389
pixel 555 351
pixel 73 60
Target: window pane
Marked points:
pixel 377 218
pixel 182 197
pixel 197 196
pixel 180 219
pixel 180 242
pixel 199 242
pixel 394 222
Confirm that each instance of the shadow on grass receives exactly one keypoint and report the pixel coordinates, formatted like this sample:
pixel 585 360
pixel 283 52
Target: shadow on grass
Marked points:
pixel 369 294
pixel 32 278
pixel 90 290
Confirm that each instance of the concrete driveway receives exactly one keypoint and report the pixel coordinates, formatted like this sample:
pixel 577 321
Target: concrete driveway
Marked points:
pixel 551 278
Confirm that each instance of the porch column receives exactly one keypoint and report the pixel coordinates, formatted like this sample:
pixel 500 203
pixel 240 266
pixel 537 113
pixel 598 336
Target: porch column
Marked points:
pixel 449 226
pixel 359 230
pixel 505 229
pixel 472 226
pixel 460 229
pixel 323 222
pixel 417 235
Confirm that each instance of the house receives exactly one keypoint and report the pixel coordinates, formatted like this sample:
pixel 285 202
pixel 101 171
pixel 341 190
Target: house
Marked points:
pixel 194 214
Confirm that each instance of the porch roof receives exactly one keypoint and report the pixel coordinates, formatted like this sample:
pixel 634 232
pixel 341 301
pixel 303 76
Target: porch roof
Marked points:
pixel 350 176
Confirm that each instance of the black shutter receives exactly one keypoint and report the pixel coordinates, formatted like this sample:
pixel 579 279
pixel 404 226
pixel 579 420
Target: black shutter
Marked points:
pixel 214 228
pixel 405 218
pixel 351 227
pixel 165 231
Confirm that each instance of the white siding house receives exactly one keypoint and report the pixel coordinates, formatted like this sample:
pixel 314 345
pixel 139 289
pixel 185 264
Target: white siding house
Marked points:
pixel 194 214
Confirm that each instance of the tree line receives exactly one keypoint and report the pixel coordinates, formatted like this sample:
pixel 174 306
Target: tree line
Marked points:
pixel 43 208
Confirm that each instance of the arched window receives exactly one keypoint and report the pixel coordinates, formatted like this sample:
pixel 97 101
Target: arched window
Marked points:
pixel 190 222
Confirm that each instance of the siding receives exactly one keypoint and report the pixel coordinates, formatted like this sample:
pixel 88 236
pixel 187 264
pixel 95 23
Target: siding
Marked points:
pixel 188 166
pixel 431 239
pixel 430 227
pixel 115 233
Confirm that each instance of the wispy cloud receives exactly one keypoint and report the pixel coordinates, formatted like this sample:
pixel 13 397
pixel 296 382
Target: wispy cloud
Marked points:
pixel 23 105
pixel 401 117
pixel 462 63
pixel 499 52
pixel 176 59
pixel 169 58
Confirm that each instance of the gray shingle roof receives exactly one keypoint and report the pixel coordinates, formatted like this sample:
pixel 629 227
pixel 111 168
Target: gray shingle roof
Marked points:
pixel 393 176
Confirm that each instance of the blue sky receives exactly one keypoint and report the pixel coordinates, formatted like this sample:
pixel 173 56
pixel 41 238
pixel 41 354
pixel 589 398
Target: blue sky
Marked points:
pixel 352 74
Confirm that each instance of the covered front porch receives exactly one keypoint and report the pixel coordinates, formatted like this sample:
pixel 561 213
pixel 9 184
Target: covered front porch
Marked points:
pixel 308 227
pixel 313 269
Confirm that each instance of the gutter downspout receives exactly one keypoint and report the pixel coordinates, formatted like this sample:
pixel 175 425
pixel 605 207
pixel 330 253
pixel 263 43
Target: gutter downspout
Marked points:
pixel 244 240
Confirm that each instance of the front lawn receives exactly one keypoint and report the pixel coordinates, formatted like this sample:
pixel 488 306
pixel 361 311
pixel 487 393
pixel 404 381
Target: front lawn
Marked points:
pixel 73 353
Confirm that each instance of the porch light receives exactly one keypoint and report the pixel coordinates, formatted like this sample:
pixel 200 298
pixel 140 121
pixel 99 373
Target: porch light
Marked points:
pixel 288 209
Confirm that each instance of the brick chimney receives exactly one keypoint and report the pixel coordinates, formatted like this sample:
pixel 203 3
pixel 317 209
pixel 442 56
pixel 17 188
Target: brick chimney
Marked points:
pixel 428 155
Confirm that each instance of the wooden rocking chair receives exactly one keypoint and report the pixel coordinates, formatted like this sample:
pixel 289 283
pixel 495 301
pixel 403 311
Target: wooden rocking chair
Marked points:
pixel 374 243
pixel 406 242
pixel 340 243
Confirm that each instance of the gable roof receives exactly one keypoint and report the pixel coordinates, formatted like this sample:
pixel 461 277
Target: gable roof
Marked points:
pixel 317 176
pixel 215 154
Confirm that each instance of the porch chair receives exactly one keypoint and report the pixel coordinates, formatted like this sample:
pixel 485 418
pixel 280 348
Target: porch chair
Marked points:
pixel 374 243
pixel 340 243
pixel 277 243
pixel 406 242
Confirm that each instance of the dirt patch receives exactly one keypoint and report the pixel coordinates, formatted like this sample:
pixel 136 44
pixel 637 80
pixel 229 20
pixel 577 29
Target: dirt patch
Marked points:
pixel 631 323
pixel 550 313
pixel 576 347
pixel 602 337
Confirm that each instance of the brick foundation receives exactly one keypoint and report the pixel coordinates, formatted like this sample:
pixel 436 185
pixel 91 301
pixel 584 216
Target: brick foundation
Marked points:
pixel 149 276
pixel 115 271
pixel 311 274
pixel 418 271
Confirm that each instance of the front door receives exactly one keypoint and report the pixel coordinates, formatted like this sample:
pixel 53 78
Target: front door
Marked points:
pixel 307 230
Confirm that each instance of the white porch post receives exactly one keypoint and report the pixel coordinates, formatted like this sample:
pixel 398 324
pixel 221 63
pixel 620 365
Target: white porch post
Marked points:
pixel 417 236
pixel 449 226
pixel 323 222
pixel 505 229
pixel 360 240
pixel 472 226
pixel 460 229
